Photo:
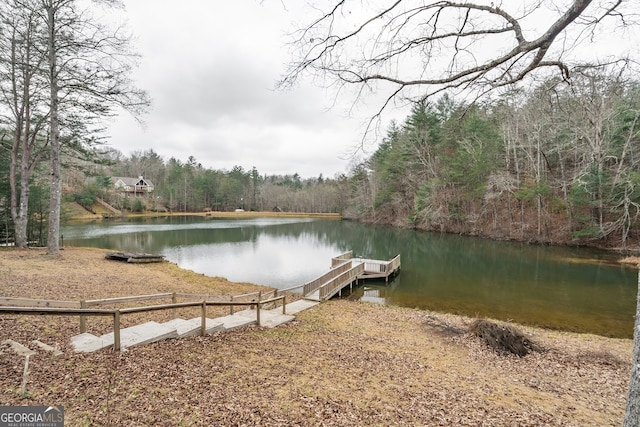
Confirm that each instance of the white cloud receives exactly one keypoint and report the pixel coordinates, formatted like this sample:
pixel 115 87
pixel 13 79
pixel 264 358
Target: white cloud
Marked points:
pixel 211 69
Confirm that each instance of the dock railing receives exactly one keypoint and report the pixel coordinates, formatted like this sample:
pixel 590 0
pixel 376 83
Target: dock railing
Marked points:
pixel 394 263
pixel 335 261
pixel 315 284
pixel 336 284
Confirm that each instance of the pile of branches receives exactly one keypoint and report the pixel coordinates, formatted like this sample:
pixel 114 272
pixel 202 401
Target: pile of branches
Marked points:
pixel 503 338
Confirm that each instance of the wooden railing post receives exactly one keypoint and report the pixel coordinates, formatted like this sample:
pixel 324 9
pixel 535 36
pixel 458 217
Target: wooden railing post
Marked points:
pixel 174 299
pixel 231 306
pixel 284 304
pixel 203 319
pixel 258 308
pixel 116 330
pixel 83 318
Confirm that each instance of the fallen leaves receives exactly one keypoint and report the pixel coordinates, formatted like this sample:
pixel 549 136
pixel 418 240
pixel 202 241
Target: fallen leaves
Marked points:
pixel 342 363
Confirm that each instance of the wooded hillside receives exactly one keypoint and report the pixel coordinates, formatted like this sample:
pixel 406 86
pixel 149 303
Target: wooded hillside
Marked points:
pixel 555 164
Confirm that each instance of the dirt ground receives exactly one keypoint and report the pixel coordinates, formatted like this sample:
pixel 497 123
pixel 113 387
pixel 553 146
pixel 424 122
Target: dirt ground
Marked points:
pixel 341 363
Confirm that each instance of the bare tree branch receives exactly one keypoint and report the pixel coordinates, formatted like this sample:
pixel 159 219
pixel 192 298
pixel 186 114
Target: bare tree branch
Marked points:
pixel 437 46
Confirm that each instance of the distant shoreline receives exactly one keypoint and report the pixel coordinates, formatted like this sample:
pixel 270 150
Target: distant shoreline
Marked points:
pixel 212 214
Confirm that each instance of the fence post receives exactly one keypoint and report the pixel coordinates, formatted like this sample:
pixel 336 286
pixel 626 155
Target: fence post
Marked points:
pixel 284 304
pixel 258 308
pixel 174 299
pixel 231 306
pixel 83 318
pixel 116 330
pixel 203 319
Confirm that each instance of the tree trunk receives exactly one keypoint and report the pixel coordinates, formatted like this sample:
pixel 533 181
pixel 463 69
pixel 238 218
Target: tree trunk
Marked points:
pixel 53 237
pixel 632 415
pixel 18 213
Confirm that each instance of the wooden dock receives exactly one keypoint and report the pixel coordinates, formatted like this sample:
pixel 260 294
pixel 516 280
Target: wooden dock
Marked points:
pixel 347 271
pixel 134 257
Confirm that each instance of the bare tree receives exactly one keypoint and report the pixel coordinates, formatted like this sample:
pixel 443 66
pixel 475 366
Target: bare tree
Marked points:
pixel 24 105
pixel 416 49
pixel 88 77
pixel 61 72
pixel 413 50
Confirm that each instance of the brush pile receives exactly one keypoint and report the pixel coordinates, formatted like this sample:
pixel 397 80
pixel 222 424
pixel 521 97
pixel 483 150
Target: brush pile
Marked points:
pixel 503 338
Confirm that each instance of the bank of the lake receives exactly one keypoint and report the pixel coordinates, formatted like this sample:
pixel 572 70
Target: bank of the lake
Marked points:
pixel 580 290
pixel 341 363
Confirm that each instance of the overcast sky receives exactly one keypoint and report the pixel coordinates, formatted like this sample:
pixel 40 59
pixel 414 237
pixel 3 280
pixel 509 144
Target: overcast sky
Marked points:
pixel 211 69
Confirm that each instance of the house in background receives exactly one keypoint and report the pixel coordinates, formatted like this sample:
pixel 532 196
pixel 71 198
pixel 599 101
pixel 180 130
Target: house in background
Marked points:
pixel 134 186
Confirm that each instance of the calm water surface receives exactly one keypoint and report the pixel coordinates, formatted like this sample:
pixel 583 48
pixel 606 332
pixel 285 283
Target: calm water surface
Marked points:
pixel 564 288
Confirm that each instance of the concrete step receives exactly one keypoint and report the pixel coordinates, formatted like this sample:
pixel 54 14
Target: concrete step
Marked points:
pixel 268 318
pixel 47 347
pixel 135 335
pixel 313 296
pixel 18 348
pixel 86 343
pixel 143 334
pixel 300 305
pixel 187 328
pixel 23 350
pixel 234 321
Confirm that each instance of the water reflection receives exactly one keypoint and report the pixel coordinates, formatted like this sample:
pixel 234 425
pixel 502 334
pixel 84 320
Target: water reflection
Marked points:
pixel 566 288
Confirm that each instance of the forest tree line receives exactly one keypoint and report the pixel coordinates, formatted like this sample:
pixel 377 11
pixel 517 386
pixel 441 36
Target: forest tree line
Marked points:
pixel 555 164
pixel 187 186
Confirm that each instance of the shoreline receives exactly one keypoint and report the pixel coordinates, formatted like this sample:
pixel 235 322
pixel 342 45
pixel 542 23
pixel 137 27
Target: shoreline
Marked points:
pixel 628 257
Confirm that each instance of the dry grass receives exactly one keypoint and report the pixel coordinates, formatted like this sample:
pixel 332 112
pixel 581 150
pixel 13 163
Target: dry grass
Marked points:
pixel 633 260
pixel 340 363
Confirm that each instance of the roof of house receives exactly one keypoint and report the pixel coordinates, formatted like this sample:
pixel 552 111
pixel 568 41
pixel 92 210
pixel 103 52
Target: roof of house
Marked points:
pixel 131 181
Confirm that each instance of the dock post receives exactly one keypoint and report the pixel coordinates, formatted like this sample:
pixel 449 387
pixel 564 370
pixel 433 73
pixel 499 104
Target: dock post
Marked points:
pixel 83 318
pixel 258 308
pixel 116 330
pixel 203 319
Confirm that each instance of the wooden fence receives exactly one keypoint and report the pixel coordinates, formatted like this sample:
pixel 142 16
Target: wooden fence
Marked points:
pixel 27 306
pixel 315 284
pixel 335 285
pixel 335 261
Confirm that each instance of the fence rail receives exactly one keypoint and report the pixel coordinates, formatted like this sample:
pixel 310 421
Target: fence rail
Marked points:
pixel 341 258
pixel 344 270
pixel 116 313
pixel 315 284
pixel 330 288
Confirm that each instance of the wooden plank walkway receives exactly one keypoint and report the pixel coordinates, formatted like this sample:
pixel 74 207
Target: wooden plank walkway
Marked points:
pixel 134 257
pixel 347 271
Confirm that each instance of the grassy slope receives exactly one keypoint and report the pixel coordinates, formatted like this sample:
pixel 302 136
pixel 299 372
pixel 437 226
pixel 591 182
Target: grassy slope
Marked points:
pixel 340 363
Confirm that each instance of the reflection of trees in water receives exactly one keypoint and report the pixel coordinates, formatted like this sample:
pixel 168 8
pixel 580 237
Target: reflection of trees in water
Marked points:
pixel 444 272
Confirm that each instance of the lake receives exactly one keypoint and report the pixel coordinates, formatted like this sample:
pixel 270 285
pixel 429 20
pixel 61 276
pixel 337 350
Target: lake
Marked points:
pixel 573 289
